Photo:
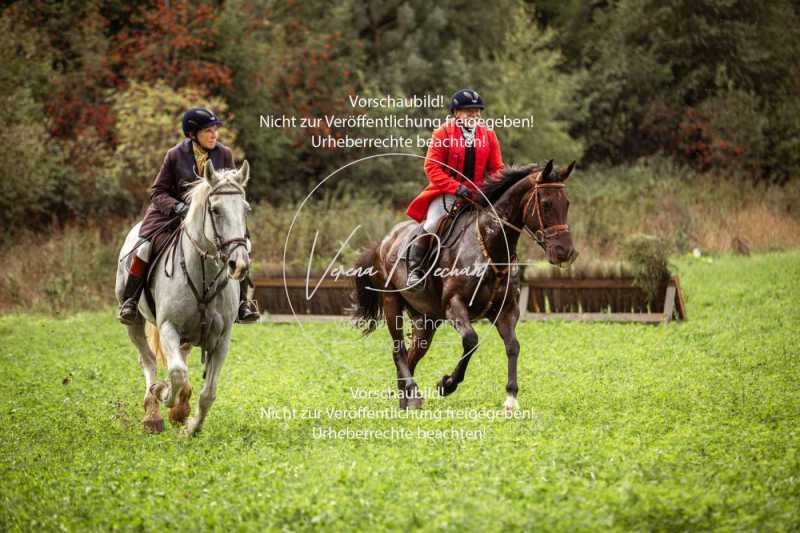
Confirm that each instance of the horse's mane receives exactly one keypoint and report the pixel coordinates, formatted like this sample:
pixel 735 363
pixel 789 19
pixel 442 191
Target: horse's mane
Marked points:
pixel 199 189
pixel 504 180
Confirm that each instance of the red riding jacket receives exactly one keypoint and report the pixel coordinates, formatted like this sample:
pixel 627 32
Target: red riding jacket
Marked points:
pixel 447 150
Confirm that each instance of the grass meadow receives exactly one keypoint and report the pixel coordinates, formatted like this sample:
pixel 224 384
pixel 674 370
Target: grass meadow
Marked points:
pixel 692 425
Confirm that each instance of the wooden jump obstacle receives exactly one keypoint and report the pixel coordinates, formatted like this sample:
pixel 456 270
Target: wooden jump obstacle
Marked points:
pixel 605 299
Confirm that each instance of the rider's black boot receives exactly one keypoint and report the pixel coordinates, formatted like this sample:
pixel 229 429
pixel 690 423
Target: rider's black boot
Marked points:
pixel 416 255
pixel 128 312
pixel 248 309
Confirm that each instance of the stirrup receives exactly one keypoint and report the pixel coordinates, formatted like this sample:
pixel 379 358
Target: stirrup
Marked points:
pixel 248 312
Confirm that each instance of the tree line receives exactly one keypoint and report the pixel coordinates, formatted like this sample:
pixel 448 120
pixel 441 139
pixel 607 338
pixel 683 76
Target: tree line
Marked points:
pixel 93 90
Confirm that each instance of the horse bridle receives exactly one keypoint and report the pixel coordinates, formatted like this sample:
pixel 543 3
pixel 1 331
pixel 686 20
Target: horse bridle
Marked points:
pixel 543 233
pixel 224 249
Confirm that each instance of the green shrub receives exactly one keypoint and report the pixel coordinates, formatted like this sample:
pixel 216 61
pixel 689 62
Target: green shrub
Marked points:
pixel 646 256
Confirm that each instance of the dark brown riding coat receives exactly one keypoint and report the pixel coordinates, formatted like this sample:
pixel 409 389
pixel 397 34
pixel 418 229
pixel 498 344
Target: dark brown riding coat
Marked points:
pixel 172 182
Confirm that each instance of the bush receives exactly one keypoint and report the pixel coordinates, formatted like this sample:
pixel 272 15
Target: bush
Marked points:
pixel 646 256
pixel 148 124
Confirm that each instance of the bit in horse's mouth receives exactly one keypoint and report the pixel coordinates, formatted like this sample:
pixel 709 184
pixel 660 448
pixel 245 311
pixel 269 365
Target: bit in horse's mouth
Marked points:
pixel 568 263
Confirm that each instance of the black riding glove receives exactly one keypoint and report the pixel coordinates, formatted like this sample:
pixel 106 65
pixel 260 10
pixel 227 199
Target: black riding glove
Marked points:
pixel 181 209
pixel 465 192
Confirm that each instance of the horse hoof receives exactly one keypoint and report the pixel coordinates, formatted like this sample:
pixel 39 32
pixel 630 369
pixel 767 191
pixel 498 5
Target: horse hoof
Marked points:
pixel 192 428
pixel 415 403
pixel 154 426
pixel 180 411
pixel 179 414
pixel 159 389
pixel 510 405
pixel 403 403
pixel 446 386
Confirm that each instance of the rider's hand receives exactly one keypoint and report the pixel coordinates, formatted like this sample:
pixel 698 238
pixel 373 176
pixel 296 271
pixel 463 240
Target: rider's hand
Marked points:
pixel 181 209
pixel 465 192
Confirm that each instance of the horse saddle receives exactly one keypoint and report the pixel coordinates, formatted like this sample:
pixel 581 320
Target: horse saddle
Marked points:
pixel 164 245
pixel 448 230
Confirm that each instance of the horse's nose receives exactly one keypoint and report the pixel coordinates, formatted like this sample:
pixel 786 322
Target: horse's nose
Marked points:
pixel 232 265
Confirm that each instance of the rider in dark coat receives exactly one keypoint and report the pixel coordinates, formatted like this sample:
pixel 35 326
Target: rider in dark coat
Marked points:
pixel 182 165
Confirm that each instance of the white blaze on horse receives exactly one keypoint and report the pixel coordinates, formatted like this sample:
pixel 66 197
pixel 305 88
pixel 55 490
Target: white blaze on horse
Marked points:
pixel 194 303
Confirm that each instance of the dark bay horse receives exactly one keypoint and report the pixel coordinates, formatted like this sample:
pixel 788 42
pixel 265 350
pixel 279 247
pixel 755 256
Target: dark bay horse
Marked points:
pixel 472 276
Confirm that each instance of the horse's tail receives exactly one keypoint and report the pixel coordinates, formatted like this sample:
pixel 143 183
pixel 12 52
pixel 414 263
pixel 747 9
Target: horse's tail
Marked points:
pixel 154 341
pixel 367 309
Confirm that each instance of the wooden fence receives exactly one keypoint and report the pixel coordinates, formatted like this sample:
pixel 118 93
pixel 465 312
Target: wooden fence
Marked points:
pixel 610 299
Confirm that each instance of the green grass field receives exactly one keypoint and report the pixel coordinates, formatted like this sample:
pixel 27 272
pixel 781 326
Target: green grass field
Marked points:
pixel 688 426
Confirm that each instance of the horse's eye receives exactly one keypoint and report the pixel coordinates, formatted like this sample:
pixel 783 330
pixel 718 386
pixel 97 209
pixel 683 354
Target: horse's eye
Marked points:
pixel 214 211
pixel 546 205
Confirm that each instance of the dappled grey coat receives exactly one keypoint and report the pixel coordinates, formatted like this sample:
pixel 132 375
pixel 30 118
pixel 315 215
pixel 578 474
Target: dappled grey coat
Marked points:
pixel 172 182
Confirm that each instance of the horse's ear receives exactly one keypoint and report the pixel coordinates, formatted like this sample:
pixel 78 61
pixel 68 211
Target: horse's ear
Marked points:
pixel 209 174
pixel 566 172
pixel 244 174
pixel 548 168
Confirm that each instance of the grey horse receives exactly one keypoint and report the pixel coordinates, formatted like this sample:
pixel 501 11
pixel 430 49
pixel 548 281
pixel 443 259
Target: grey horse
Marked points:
pixel 194 303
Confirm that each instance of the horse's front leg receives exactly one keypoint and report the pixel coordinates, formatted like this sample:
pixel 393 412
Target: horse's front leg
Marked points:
pixel 216 358
pixel 179 412
pixel 422 330
pixel 176 366
pixel 507 328
pixel 458 316
pixel 393 314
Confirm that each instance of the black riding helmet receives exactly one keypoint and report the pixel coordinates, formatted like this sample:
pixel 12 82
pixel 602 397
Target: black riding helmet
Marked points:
pixel 466 99
pixel 199 118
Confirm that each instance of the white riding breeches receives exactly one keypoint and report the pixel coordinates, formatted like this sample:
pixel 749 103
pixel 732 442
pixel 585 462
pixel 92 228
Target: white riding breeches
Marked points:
pixel 143 251
pixel 437 209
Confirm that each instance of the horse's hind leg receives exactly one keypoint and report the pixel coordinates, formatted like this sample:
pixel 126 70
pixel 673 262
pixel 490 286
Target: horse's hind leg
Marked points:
pixel 152 421
pixel 458 315
pixel 176 366
pixel 393 314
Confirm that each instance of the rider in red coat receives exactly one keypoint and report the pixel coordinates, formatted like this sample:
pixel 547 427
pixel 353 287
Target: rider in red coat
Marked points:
pixel 462 151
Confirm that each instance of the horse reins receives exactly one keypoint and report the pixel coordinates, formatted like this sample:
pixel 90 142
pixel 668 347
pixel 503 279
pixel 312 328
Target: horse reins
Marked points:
pixel 499 273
